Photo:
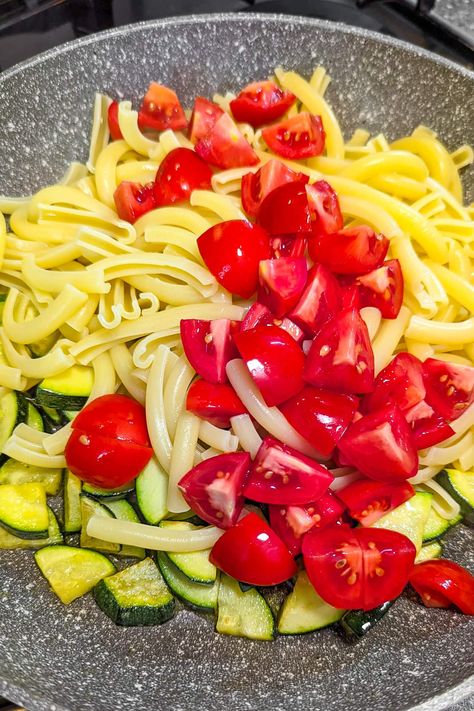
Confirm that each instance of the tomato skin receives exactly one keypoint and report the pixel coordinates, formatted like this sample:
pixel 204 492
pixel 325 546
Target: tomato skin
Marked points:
pixel 341 356
pixel 301 136
pixel 214 402
pixel 112 119
pixel 274 360
pixel 282 475
pixel 204 116
pixel 256 186
pixel 320 300
pixel 208 346
pixel 324 207
pixel 401 382
pixel 224 145
pixel 252 553
pixel 285 210
pixel 161 109
pixel 449 387
pixel 288 246
pixel 320 416
pixel 261 102
pixel 441 583
pixel 352 250
pixel 428 431
pixel 383 288
pixel 114 416
pixel 180 172
pixel 132 200
pixel 357 568
pixel 381 446
pixel 281 282
pixel 232 252
pixel 368 500
pixel 260 315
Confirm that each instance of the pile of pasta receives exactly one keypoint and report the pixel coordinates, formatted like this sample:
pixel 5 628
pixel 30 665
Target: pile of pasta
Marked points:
pixel 110 295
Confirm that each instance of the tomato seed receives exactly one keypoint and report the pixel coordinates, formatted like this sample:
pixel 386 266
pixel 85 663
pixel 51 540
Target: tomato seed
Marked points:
pixel 208 338
pixel 443 378
pixel 325 350
pixel 352 579
pixel 460 405
pixel 268 475
pixel 340 563
pixel 450 390
pixel 84 439
pixel 380 572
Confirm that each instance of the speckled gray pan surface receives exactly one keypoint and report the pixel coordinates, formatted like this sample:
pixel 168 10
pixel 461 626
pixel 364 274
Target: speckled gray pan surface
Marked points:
pixel 73 658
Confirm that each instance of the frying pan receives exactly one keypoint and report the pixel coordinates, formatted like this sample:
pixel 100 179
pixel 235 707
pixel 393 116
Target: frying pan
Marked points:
pixel 73 658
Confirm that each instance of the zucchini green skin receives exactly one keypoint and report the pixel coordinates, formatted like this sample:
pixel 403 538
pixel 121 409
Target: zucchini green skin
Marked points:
pixel 196 566
pixel 13 472
pixel 195 595
pixel 151 487
pixel 303 610
pixel 14 411
pixel 66 391
pixel 435 527
pixel 355 624
pixel 23 510
pixel 97 493
pixel 34 418
pixel 429 552
pixel 123 509
pixel 58 401
pixel 89 508
pixel 11 542
pixel 446 479
pixel 243 614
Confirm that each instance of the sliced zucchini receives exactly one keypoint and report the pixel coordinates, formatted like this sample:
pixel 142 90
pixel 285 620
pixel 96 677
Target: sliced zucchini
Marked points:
pixel 124 510
pixel 13 472
pixel 196 566
pixel 72 572
pixel 13 411
pixel 34 419
pixel 461 487
pixel 197 595
pixel 136 597
pixel 355 624
pixel 53 419
pixel 243 614
pixel 10 542
pixel 89 508
pixel 304 610
pixel 68 390
pixel 429 552
pixel 410 518
pixel 99 493
pixel 436 526
pixel 151 487
pixel 70 414
pixel 23 510
pixel 72 503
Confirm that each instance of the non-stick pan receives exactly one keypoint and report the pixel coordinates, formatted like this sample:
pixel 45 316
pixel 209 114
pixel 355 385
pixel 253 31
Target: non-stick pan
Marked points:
pixel 74 658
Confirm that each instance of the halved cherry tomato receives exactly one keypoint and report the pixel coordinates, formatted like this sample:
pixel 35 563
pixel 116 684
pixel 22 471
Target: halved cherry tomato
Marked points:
pixel 383 288
pixel 274 360
pixel 285 210
pixel 225 146
pixel 324 207
pixel 209 346
pixel 252 553
pixel 368 500
pixel 260 315
pixel 381 445
pixel 256 186
pixel 449 387
pixel 261 102
pixel 232 252
pixel 341 356
pixel 319 302
pixel 214 402
pixel 353 250
pixel 301 136
pixel 161 110
pixel 112 118
pixel 287 246
pixel 357 568
pixel 281 282
pixel 401 382
pixel 204 116
pixel 320 416
pixel 427 429
pixel 442 583
pixel 115 416
pixel 180 172
pixel 132 200
pixel 213 488
pixel 282 475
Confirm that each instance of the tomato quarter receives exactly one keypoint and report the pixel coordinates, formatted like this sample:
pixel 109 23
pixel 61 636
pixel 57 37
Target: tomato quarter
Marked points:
pixel 224 145
pixel 353 250
pixel 112 118
pixel 260 103
pixel 204 116
pixel 180 172
pixel 301 136
pixel 161 110
pixel 401 382
pixel 285 210
pixel 383 288
pixel 260 315
pixel 132 200
pixel 449 387
pixel 214 402
pixel 368 500
pixel 441 583
pixel 324 207
pixel 319 302
pixel 256 186
pixel 281 282
pixel 209 346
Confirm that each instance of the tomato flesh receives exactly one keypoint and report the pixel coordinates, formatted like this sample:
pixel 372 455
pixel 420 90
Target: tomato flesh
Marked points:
pixel 204 116
pixel 401 382
pixel 213 488
pixel 368 500
pixel 114 416
pixel 256 186
pixel 252 553
pixel 274 360
pixel 232 252
pixel 449 387
pixel 441 583
pixel 161 110
pixel 132 200
pixel 224 145
pixel 319 301
pixel 324 207
pixel 282 475
pixel 287 246
pixel 285 210
pixel 260 315
pixel 214 402
pixel 112 119
pixel 352 250
pixel 430 430
pixel 301 136
pixel 209 346
pixel 383 288
pixel 281 282
pixel 180 172
pixel 260 103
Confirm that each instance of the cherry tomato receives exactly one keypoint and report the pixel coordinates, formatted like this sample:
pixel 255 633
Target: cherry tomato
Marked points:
pixel 301 136
pixel 232 252
pixel 320 416
pixel 320 300
pixel 213 488
pixel 427 428
pixel 259 315
pixel 285 210
pixel 180 172
pixel 401 382
pixel 288 246
pixel 324 207
pixel 224 145
pixel 114 416
pixel 357 568
pixel 449 387
pixel 161 110
pixel 252 553
pixel 112 118
pixel 261 102
pixel 383 288
pixel 281 282
pixel 256 186
pixel 353 250
pixel 274 360
pixel 204 116
pixel 341 356
pixel 282 475
pixel 381 445
pixel 214 402
pixel 442 583
pixel 208 346
pixel 368 500
pixel 132 200
pixel 350 297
